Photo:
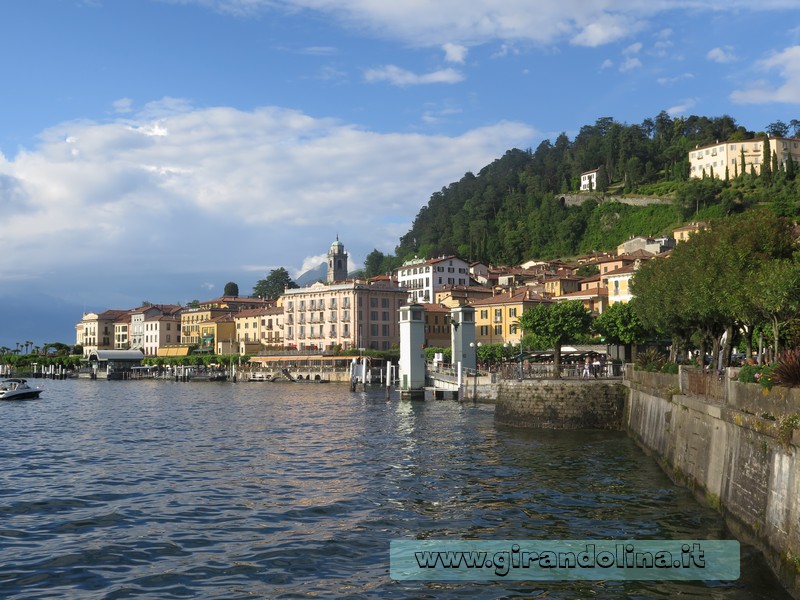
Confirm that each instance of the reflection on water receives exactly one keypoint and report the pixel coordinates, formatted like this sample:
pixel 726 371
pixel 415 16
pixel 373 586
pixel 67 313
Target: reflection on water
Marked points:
pixel 162 489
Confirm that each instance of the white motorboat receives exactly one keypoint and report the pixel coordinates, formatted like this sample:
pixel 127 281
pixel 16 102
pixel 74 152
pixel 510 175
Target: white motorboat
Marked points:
pixel 15 388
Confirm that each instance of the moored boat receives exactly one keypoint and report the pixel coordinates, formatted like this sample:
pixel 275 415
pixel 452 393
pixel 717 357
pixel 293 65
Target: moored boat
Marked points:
pixel 16 388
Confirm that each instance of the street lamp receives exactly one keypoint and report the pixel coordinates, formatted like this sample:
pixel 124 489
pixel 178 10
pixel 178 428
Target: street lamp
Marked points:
pixel 475 378
pixel 519 357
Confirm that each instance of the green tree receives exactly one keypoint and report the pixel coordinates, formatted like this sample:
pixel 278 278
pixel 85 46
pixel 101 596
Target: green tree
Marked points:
pixel 702 289
pixel 620 324
pixel 274 284
pixel 777 294
pixel 557 323
pixel 373 263
pixel 778 129
pixel 231 290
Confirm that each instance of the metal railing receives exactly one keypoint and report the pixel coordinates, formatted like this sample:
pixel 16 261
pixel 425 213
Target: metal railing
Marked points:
pixel 532 371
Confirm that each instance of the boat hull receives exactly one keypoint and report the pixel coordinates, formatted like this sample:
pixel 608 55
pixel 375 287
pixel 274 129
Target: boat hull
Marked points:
pixel 24 395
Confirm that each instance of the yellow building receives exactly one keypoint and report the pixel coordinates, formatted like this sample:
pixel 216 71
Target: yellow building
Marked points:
pixel 497 318
pixel 562 284
pixel 218 335
pixel 191 318
pixel 736 155
pixel 97 331
pixel 259 329
pixel 437 326
pixel 618 283
pixel 458 295
pixel 681 234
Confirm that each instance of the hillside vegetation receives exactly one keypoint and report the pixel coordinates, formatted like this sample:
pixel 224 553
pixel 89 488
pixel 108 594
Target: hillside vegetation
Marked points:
pixel 512 211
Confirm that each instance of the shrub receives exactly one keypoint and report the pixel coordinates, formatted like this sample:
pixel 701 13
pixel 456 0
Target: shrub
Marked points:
pixel 747 374
pixel 670 367
pixel 762 374
pixel 787 368
pixel 650 360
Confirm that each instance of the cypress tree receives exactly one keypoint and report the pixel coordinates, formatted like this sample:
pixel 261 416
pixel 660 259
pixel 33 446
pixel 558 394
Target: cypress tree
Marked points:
pixel 744 170
pixel 791 168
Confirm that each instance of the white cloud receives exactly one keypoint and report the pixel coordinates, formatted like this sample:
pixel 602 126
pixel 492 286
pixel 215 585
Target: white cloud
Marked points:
pixel 252 187
pixel 319 50
pixel 629 64
pixel 668 81
pixel 606 64
pixel 633 49
pixel 681 109
pixel 721 55
pixel 402 77
pixel 312 262
pixel 123 105
pixel 787 63
pixel 427 23
pixel 455 53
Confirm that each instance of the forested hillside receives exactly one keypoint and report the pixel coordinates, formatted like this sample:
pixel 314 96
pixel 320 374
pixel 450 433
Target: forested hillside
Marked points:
pixel 511 211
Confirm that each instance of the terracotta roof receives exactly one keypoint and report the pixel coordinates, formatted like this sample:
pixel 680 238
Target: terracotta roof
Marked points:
pixel 519 295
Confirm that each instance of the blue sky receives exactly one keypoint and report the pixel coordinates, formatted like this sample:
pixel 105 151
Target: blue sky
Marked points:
pixel 155 150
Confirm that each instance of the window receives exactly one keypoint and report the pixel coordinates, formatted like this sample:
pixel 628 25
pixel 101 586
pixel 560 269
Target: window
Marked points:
pixel 498 330
pixel 512 312
pixel 484 313
pixel 384 303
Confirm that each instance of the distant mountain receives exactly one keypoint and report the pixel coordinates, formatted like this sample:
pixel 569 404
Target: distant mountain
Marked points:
pixel 320 273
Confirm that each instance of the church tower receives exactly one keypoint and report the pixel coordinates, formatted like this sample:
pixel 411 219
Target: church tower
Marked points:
pixel 337 262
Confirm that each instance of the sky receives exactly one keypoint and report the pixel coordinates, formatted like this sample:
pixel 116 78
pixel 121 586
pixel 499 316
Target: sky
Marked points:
pixel 156 150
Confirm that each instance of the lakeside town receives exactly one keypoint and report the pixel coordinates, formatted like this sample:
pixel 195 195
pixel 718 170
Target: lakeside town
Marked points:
pixel 351 314
pixel 343 314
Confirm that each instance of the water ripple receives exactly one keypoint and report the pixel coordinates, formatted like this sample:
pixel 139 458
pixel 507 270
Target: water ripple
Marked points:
pixel 169 490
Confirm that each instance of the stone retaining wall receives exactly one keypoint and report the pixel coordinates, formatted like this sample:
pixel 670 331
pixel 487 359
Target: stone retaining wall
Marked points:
pixel 735 451
pixel 560 404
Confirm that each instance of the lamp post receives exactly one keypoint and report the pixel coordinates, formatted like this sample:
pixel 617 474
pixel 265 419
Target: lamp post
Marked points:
pixel 519 357
pixel 475 378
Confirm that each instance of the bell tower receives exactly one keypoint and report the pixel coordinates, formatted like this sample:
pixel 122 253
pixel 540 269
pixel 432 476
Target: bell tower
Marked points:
pixel 337 262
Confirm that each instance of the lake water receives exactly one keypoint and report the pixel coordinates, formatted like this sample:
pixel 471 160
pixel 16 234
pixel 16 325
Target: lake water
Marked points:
pixel 259 490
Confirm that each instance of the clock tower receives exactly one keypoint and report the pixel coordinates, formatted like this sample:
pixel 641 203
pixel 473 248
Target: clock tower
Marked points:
pixel 337 262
